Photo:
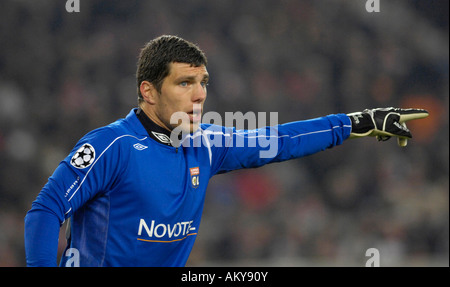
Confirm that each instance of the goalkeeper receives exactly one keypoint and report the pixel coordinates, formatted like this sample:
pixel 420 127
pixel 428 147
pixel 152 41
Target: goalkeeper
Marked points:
pixel 135 198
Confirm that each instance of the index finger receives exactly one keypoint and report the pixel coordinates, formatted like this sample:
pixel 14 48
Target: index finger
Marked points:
pixel 411 114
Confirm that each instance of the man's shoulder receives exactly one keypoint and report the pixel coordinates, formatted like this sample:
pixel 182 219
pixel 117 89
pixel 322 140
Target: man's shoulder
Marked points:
pixel 123 128
pixel 215 129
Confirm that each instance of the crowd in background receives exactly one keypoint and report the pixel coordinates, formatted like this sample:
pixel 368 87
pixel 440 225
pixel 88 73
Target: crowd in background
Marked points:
pixel 63 74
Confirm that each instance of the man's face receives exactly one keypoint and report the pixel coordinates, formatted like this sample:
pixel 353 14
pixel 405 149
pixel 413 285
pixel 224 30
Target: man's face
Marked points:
pixel 183 90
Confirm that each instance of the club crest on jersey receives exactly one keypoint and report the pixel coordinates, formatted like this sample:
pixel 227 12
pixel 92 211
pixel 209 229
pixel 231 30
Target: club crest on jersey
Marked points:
pixel 83 157
pixel 195 175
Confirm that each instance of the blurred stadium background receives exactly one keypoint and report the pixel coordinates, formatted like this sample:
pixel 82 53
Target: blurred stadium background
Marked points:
pixel 63 74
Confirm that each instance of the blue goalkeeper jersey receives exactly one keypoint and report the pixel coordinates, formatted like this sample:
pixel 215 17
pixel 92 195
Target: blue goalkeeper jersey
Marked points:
pixel 134 199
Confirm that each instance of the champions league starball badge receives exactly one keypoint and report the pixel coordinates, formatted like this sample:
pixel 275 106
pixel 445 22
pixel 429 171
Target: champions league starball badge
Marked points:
pixel 83 157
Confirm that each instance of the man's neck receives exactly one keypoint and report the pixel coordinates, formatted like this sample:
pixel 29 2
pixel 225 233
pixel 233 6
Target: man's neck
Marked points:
pixel 156 132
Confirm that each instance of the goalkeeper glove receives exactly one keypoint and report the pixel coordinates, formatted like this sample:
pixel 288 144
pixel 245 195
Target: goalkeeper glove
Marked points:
pixel 385 123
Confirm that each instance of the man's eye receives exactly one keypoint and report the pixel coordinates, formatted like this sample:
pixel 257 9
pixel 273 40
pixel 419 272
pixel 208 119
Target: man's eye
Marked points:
pixel 184 84
pixel 204 84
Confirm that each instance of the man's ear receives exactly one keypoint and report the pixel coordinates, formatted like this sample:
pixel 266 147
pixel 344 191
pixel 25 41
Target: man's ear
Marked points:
pixel 148 92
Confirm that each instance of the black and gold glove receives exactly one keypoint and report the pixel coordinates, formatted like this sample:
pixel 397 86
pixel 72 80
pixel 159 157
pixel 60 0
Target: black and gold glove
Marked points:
pixel 384 123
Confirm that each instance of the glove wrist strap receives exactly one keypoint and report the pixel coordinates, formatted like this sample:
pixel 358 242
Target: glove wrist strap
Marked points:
pixel 362 124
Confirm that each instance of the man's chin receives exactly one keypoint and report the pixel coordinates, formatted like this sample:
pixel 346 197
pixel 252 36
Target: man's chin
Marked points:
pixel 191 128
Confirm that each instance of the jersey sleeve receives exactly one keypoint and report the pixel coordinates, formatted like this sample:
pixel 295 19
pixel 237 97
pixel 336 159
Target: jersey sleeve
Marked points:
pixel 254 148
pixel 89 170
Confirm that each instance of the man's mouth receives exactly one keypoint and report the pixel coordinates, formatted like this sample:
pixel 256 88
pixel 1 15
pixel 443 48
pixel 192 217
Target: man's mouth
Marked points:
pixel 195 116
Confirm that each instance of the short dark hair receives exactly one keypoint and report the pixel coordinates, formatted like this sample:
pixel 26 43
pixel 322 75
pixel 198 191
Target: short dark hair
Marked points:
pixel 155 57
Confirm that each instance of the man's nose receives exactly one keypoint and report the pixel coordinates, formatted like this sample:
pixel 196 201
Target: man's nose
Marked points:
pixel 199 93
